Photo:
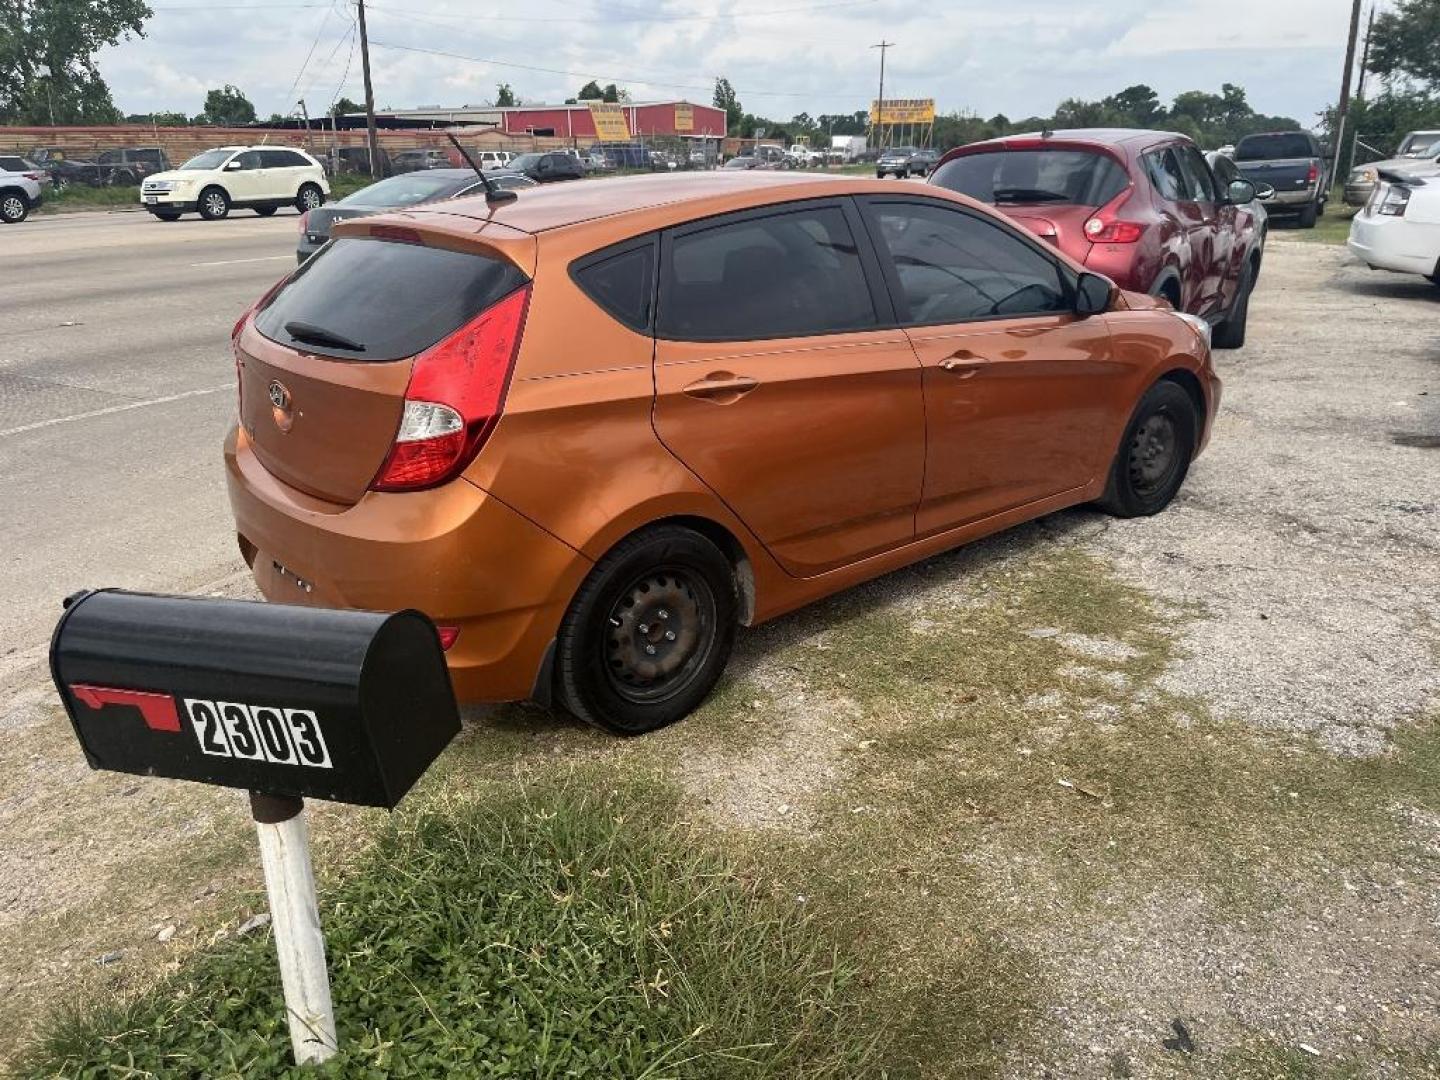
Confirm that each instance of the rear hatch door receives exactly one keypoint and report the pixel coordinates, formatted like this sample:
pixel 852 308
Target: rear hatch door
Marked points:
pixel 324 364
pixel 1063 226
pixel 1289 174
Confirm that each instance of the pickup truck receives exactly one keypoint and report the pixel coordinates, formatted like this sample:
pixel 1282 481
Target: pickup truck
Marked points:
pixel 124 167
pixel 1293 164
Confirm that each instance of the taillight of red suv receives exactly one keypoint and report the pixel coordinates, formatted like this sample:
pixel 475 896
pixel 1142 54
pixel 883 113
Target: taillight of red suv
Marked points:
pixel 1106 227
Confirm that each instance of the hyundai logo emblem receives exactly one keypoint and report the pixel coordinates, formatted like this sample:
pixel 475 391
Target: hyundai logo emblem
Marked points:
pixel 279 395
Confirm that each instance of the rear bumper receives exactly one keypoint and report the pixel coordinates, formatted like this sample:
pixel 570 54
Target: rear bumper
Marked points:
pixel 456 553
pixel 1290 200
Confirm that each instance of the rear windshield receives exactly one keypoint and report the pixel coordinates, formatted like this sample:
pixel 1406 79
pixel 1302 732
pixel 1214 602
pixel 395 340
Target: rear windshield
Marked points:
pixel 1290 144
pixel 1008 177
pixel 362 299
pixel 408 189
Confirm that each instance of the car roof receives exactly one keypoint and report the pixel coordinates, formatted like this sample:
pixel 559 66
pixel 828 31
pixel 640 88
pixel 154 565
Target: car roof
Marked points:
pixel 553 206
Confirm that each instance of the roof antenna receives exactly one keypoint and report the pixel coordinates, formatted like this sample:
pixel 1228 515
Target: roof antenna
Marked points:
pixel 494 194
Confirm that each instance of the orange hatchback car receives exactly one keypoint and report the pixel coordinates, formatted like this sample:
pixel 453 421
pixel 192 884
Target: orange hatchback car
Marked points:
pixel 592 430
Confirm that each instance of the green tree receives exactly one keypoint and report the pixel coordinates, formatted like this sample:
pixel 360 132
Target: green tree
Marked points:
pixel 47 58
pixel 227 107
pixel 613 93
pixel 1138 105
pixel 1405 43
pixel 725 99
pixel 504 95
pixel 159 119
pixel 344 106
pixel 591 92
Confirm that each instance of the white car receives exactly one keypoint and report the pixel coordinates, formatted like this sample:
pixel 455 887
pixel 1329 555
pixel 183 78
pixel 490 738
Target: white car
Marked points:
pixel 1399 229
pixel 492 159
pixel 262 178
pixel 20 192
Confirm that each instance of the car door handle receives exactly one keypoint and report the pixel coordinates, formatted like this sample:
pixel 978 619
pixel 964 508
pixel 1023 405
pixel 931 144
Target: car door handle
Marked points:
pixel 963 364
pixel 722 387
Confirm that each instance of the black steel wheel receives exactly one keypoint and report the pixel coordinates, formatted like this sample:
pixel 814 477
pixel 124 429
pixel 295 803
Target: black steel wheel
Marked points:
pixel 1154 456
pixel 648 633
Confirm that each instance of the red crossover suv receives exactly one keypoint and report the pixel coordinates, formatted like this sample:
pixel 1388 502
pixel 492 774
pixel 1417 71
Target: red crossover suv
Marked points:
pixel 1140 207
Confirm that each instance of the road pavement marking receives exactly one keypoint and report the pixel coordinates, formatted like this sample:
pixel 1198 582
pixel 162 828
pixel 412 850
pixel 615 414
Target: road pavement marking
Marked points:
pixel 114 409
pixel 232 262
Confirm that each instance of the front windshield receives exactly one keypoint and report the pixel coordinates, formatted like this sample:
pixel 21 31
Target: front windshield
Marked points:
pixel 1421 146
pixel 406 189
pixel 525 161
pixel 899 151
pixel 210 159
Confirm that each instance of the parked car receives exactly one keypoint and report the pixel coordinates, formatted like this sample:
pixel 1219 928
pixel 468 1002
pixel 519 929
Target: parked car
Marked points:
pixel 1226 173
pixel 548 167
pixel 355 161
pixel 1418 155
pixel 803 156
pixel 903 161
pixel 394 193
pixel 121 167
pixel 262 178
pixel 415 160
pixel 21 191
pixel 1399 230
pixel 492 159
pixel 588 525
pixel 1291 162
pixel 623 155
pixel 742 161
pixel 1140 207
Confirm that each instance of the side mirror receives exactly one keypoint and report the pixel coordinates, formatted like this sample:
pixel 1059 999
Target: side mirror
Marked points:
pixel 1241 192
pixel 1264 191
pixel 233 164
pixel 1092 295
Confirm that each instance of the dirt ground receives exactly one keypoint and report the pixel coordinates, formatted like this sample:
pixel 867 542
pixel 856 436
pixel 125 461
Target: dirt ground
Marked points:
pixel 1170 768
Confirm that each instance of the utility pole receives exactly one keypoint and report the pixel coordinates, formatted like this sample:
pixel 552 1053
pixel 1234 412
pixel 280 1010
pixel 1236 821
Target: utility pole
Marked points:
pixel 371 140
pixel 1345 86
pixel 1365 54
pixel 880 101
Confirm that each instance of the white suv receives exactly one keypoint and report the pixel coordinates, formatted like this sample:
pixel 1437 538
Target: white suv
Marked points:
pixel 263 178
pixel 20 192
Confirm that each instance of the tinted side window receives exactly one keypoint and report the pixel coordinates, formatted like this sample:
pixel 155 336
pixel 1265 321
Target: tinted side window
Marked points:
pixel 622 284
pixel 251 159
pixel 955 267
pixel 1198 180
pixel 784 275
pixel 394 299
pixel 1165 174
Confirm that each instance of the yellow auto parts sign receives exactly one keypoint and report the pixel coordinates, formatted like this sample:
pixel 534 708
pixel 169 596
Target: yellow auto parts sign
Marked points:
pixel 903 111
pixel 610 124
pixel 684 117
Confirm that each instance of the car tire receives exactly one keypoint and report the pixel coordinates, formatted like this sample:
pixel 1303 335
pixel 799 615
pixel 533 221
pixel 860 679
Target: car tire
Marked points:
pixel 903 174
pixel 166 215
pixel 214 204
pixel 14 207
pixel 666 592
pixel 265 211
pixel 1230 334
pixel 310 197
pixel 1154 456
pixel 1308 216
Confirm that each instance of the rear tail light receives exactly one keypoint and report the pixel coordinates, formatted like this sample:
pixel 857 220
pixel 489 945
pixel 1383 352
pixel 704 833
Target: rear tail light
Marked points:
pixel 454 398
pixel 1313 175
pixel 1391 201
pixel 304 220
pixel 448 634
pixel 1105 227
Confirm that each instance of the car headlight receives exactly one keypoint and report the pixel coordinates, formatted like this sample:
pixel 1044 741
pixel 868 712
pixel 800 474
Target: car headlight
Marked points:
pixel 1196 323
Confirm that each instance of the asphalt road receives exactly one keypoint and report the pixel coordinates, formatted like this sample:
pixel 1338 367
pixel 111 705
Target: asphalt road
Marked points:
pixel 116 388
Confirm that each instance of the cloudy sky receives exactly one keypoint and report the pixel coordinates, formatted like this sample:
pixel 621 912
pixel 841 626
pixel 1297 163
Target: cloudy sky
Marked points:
pixel 1019 57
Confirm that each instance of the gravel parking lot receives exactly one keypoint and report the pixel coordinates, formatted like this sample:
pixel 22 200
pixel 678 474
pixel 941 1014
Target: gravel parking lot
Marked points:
pixel 1287 613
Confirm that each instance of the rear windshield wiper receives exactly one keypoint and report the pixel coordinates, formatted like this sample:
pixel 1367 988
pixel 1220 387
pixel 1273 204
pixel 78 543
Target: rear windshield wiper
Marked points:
pixel 318 335
pixel 1028 195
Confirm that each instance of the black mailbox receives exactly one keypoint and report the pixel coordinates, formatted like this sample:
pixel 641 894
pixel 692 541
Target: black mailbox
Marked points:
pixel 311 702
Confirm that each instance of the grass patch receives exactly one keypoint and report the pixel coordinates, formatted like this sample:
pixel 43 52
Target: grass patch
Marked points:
pixel 81 197
pixel 1333 228
pixel 554 930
